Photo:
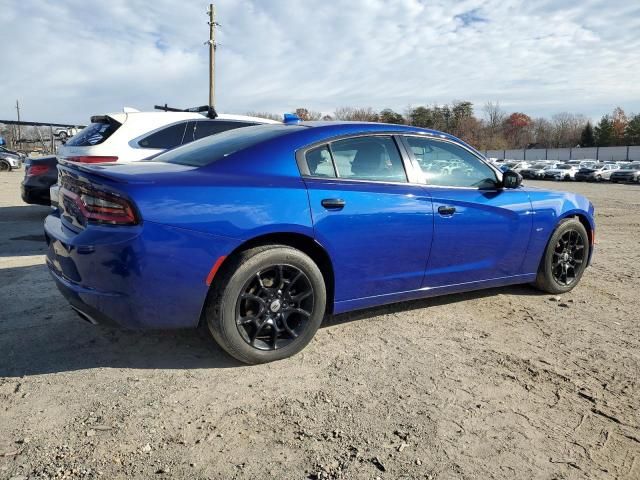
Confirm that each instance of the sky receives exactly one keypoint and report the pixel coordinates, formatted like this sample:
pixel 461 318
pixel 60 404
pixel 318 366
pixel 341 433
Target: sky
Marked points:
pixel 70 59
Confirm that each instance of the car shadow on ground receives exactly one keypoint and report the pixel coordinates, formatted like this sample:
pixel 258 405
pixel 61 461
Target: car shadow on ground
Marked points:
pixel 44 335
pixel 425 303
pixel 22 230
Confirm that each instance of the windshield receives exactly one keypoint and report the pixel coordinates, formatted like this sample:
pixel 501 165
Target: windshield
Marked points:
pixel 211 149
pixel 565 167
pixel 538 166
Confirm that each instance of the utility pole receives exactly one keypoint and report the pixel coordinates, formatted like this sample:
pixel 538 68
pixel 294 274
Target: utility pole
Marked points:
pixel 212 54
pixel 18 110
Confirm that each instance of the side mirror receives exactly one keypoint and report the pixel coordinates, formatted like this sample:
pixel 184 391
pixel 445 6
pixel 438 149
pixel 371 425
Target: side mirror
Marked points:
pixel 511 179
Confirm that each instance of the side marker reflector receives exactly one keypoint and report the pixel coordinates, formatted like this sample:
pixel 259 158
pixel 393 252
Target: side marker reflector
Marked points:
pixel 214 269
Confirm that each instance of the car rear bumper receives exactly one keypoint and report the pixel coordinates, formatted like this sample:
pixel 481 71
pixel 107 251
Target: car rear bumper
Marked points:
pixel 136 277
pixel 35 195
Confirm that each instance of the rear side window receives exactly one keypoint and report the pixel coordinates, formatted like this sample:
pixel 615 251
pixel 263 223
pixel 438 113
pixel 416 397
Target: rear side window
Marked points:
pixel 216 147
pixel 374 158
pixel 95 133
pixel 204 128
pixel 168 137
pixel 319 162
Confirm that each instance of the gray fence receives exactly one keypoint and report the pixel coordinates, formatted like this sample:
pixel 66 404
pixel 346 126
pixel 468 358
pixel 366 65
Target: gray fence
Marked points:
pixel 596 153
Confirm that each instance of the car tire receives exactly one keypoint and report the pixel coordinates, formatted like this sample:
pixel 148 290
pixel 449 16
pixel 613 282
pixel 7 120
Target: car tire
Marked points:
pixel 63 136
pixel 246 309
pixel 5 166
pixel 559 273
pixel 598 178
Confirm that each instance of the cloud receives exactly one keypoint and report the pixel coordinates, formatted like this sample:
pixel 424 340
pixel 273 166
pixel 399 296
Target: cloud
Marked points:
pixel 68 60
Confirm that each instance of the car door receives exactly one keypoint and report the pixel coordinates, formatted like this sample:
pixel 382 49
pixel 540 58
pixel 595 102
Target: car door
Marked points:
pixel 375 225
pixel 481 231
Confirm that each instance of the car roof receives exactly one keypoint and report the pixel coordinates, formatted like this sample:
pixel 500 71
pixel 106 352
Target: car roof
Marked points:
pixel 162 118
pixel 339 127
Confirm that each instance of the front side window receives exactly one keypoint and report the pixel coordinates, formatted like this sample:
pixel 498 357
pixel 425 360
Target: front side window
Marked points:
pixel 446 164
pixel 165 138
pixel 374 158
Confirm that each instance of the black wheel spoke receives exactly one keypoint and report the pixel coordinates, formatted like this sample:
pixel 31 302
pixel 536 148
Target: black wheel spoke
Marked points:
pixel 567 258
pixel 274 307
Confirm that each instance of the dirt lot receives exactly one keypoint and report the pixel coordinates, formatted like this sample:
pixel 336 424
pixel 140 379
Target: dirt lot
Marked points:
pixel 504 383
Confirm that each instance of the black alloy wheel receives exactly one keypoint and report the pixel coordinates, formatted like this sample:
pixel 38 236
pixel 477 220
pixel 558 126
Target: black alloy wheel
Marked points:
pixel 565 257
pixel 568 257
pixel 274 307
pixel 266 303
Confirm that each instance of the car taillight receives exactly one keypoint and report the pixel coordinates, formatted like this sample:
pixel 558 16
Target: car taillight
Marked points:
pixel 103 207
pixel 34 170
pixel 91 159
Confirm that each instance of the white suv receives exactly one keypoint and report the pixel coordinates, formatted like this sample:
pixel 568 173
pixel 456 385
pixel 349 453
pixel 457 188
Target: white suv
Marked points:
pixel 132 136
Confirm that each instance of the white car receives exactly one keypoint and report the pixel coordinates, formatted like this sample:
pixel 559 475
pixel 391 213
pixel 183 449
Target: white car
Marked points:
pixel 561 172
pixel 132 136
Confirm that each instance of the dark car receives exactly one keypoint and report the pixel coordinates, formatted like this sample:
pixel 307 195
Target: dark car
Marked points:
pixel 257 232
pixel 39 175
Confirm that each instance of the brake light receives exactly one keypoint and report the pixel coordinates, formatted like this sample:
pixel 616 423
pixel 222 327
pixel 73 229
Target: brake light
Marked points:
pixel 91 159
pixel 35 170
pixel 103 207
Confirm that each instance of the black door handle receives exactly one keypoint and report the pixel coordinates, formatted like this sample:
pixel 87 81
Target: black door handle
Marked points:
pixel 446 210
pixel 333 203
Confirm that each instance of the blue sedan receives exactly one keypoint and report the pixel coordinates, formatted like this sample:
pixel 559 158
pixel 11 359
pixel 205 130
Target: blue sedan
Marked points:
pixel 260 232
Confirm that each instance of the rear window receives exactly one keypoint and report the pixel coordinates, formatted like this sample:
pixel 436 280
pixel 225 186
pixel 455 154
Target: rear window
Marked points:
pixel 211 149
pixel 95 133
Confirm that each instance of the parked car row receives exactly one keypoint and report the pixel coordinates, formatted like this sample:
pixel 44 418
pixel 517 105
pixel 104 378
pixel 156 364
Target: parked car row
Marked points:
pixel 578 170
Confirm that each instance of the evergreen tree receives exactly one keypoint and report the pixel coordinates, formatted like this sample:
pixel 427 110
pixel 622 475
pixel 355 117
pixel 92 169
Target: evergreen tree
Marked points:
pixel 587 138
pixel 632 132
pixel 604 132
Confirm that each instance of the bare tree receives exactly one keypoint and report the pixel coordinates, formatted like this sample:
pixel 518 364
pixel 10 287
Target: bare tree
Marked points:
pixel 306 115
pixel 494 117
pixel 359 114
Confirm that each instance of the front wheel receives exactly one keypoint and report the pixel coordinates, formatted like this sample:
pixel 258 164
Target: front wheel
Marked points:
pixel 268 304
pixel 565 258
pixel 5 166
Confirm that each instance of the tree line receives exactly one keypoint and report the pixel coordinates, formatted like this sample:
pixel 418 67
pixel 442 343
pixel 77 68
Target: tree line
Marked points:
pixel 495 128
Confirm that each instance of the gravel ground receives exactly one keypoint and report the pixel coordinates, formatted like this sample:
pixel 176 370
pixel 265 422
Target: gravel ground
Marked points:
pixel 503 383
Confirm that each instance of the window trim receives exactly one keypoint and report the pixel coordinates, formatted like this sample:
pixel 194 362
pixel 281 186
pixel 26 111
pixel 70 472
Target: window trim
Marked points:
pixel 418 169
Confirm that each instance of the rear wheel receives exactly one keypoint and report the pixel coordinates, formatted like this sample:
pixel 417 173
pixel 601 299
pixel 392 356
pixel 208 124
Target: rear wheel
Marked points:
pixel 268 305
pixel 5 166
pixel 565 258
